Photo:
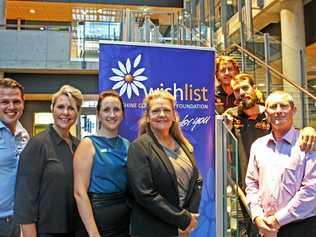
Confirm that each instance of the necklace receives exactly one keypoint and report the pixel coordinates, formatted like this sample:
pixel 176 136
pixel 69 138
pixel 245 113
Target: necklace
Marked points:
pixel 172 145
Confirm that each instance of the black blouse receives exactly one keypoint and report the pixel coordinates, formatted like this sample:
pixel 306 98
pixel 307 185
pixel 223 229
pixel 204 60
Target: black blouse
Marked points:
pixel 44 187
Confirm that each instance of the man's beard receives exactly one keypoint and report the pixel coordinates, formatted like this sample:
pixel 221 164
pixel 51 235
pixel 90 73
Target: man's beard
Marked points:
pixel 247 104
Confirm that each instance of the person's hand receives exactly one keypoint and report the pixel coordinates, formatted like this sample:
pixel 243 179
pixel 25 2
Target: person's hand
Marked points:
pixel 95 234
pixel 193 222
pixel 272 222
pixel 219 106
pixel 307 140
pixel 264 228
pixel 183 233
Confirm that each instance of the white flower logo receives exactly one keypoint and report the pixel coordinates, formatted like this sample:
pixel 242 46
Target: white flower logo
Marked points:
pixel 126 80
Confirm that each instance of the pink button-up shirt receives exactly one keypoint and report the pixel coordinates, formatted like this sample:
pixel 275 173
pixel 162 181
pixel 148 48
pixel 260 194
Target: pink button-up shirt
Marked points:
pixel 281 179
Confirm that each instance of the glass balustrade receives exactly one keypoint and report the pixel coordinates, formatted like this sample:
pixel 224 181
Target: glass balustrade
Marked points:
pixel 227 180
pixel 36 46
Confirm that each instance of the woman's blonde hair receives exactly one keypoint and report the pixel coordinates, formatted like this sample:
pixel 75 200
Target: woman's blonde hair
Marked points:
pixel 72 93
pixel 175 129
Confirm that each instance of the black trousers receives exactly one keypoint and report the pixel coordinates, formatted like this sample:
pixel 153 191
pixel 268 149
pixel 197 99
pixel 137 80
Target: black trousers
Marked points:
pixel 56 235
pixel 111 213
pixel 8 228
pixel 303 228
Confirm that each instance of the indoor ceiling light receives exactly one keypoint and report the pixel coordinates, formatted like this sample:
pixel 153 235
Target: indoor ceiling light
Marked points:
pixel 32 11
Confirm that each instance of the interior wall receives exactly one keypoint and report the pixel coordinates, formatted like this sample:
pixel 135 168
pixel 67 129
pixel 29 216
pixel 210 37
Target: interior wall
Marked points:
pixel 30 108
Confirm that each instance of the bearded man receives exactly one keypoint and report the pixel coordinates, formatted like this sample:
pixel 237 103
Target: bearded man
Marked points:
pixel 247 120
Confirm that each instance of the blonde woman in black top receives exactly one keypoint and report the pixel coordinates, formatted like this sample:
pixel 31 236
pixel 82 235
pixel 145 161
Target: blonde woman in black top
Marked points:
pixel 44 201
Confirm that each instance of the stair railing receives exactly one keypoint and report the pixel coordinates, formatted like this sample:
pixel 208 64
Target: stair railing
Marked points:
pixel 272 69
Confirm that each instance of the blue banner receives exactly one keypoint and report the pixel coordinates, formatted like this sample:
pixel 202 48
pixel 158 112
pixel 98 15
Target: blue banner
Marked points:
pixel 134 70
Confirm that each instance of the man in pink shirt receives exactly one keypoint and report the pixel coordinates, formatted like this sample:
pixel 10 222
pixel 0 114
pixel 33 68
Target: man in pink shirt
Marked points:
pixel 281 179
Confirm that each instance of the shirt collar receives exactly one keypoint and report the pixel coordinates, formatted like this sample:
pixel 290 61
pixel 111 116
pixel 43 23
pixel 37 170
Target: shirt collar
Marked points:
pixel 220 90
pixel 57 138
pixel 2 124
pixel 289 137
pixel 19 129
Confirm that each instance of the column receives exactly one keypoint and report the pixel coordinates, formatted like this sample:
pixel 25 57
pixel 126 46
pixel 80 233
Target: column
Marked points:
pixel 2 12
pixel 2 22
pixel 126 25
pixel 293 39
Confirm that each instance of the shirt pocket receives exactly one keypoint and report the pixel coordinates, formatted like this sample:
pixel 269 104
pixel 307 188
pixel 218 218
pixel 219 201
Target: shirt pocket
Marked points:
pixel 292 177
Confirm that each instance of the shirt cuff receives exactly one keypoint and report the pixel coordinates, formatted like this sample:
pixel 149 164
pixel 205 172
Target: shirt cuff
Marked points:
pixel 255 212
pixel 283 216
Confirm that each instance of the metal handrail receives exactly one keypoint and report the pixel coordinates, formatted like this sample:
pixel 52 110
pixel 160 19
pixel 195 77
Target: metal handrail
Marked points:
pixel 275 71
pixel 37 27
pixel 240 192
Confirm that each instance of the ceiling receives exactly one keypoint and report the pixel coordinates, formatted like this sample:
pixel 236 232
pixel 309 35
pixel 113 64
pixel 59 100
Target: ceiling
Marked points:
pixel 63 12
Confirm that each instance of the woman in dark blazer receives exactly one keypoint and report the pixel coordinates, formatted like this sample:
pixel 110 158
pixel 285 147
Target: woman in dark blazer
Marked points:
pixel 163 178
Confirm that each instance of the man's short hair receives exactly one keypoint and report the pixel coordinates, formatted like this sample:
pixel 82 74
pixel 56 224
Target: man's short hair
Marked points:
pixel 225 59
pixel 240 78
pixel 10 83
pixel 286 96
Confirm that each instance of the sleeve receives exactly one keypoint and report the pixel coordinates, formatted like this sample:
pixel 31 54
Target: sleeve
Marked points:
pixel 252 186
pixel 31 166
pixel 303 202
pixel 195 199
pixel 144 191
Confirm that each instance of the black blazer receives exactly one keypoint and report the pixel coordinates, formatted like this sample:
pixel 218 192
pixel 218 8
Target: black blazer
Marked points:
pixel 153 182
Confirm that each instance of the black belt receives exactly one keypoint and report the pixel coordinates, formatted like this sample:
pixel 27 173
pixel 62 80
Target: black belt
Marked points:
pixel 107 199
pixel 307 220
pixel 56 235
pixel 6 219
pixel 107 196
